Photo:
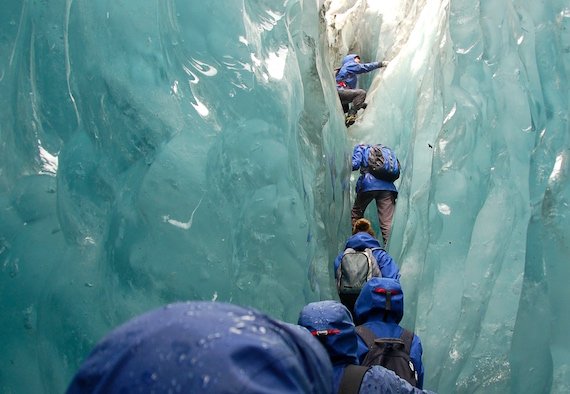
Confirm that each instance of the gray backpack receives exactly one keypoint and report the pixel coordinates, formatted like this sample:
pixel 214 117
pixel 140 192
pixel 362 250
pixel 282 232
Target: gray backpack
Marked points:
pixel 355 269
pixel 383 163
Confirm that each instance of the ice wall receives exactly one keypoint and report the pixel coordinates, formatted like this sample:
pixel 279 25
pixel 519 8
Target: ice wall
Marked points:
pixel 154 151
pixel 475 98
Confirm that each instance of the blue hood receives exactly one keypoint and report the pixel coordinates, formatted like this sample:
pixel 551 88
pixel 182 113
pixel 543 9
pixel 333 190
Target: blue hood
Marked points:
pixel 349 58
pixel 371 303
pixel 361 241
pixel 205 347
pixel 331 322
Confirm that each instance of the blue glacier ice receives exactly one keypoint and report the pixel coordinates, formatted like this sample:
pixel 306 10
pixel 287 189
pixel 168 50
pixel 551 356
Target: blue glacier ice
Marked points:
pixel 156 151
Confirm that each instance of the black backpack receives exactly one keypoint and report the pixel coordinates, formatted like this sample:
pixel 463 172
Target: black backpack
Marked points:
pixel 352 379
pixel 391 353
pixel 355 269
pixel 383 163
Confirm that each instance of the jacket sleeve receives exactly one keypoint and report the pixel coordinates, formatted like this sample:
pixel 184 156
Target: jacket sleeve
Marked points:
pixel 381 380
pixel 357 157
pixel 387 265
pixel 416 355
pixel 358 68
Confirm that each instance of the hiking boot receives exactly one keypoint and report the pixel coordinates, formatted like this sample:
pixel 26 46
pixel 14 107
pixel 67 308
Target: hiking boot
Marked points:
pixel 350 117
pixel 363 106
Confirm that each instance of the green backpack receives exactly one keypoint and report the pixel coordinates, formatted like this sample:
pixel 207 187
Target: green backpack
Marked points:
pixel 355 269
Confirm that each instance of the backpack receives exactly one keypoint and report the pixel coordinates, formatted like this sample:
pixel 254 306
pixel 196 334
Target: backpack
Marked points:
pixel 352 379
pixel 383 163
pixel 355 269
pixel 391 353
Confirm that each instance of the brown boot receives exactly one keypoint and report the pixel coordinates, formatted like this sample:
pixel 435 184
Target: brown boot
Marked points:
pixel 350 117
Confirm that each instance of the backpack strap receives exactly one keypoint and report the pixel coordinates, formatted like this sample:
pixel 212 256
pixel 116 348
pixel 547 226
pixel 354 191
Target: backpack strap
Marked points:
pixel 366 334
pixel 352 379
pixel 369 337
pixel 368 253
pixel 407 337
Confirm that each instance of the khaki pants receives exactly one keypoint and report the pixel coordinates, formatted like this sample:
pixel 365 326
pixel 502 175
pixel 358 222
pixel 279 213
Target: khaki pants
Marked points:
pixel 385 205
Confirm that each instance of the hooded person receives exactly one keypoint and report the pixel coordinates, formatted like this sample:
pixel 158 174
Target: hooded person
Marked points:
pixel 368 188
pixel 332 324
pixel 380 308
pixel 347 82
pixel 363 237
pixel 205 347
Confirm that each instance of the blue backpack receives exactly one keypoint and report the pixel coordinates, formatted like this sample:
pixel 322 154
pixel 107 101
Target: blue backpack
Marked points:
pixel 383 163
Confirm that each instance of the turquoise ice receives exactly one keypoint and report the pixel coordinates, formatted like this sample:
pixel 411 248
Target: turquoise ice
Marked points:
pixel 166 150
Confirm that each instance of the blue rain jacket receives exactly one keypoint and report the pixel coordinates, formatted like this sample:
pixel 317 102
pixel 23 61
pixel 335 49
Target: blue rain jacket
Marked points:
pixel 350 69
pixel 332 323
pixel 369 309
pixel 363 240
pixel 367 182
pixel 205 347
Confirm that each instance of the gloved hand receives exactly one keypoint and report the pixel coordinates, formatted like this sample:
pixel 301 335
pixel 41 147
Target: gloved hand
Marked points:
pixel 384 63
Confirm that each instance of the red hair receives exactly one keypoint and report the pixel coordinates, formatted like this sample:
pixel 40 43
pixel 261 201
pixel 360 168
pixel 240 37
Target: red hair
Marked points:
pixel 363 226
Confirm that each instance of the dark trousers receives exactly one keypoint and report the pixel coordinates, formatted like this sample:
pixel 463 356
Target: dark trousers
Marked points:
pixel 354 96
pixel 349 300
pixel 385 205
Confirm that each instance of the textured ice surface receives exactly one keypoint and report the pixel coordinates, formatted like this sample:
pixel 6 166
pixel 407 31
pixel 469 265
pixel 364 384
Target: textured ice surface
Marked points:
pixel 155 151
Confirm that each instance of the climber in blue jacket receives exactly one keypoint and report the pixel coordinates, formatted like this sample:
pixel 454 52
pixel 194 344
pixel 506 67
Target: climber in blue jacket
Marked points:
pixel 382 318
pixel 370 188
pixel 363 237
pixel 347 82
pixel 197 347
pixel 332 324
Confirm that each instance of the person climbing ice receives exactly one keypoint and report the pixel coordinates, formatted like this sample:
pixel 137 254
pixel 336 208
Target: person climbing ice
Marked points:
pixel 351 97
pixel 351 270
pixel 379 168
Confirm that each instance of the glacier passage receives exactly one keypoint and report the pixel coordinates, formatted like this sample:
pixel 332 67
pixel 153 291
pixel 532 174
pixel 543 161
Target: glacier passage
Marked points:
pixel 162 150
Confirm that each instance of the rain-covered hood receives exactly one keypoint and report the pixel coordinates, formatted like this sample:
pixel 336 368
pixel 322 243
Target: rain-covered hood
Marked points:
pixel 331 322
pixel 372 303
pixel 361 241
pixel 205 347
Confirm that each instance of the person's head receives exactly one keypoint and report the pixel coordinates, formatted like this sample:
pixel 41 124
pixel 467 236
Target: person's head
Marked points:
pixel 205 347
pixel 380 298
pixel 363 226
pixel 332 324
pixel 351 57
